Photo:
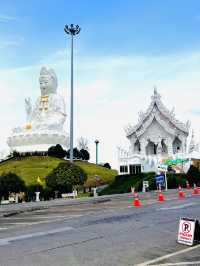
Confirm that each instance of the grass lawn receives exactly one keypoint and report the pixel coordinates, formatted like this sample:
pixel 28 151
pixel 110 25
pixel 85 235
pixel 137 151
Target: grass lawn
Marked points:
pixel 29 168
pixel 106 175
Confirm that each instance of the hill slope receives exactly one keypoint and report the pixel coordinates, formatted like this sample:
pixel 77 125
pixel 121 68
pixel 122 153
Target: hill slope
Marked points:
pixel 29 168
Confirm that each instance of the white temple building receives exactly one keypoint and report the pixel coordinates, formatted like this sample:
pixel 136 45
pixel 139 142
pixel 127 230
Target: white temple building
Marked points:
pixel 44 126
pixel 157 137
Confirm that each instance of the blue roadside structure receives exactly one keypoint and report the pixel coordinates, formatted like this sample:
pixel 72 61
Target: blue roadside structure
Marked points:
pixel 160 180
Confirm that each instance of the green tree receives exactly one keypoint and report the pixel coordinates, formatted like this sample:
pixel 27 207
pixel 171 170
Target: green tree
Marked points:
pixel 57 151
pixel 65 177
pixel 84 154
pixel 10 182
pixel 76 154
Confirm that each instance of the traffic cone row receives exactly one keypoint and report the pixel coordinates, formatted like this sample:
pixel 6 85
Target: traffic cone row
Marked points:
pixel 181 194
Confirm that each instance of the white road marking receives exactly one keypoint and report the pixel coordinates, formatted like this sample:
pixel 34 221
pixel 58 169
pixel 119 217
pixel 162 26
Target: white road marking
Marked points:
pixel 179 263
pixel 28 223
pixel 6 241
pixel 177 207
pixel 168 256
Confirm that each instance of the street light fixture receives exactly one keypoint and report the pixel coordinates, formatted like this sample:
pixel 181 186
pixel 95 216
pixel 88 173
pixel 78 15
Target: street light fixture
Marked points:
pixel 72 30
pixel 96 142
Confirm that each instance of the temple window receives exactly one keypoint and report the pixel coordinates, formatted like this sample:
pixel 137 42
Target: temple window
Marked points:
pixel 135 169
pixel 151 148
pixel 164 147
pixel 177 144
pixel 137 146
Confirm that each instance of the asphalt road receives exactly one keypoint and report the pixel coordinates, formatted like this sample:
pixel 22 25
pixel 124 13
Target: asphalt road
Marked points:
pixel 107 233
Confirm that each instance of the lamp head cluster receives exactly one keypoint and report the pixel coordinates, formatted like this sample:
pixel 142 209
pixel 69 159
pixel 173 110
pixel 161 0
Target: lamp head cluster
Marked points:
pixel 72 29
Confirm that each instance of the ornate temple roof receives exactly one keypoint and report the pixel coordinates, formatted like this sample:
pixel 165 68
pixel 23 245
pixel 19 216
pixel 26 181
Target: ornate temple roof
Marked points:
pixel 169 115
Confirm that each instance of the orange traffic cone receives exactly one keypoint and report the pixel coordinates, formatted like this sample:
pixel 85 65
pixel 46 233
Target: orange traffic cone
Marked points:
pixel 187 185
pixel 136 201
pixel 195 190
pixel 161 197
pixel 181 194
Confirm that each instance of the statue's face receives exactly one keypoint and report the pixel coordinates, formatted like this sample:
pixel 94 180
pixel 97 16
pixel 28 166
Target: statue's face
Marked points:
pixel 46 85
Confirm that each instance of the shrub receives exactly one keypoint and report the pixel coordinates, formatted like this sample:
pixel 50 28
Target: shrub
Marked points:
pixel 65 177
pixel 76 154
pixel 123 183
pixel 84 154
pixel 107 165
pixel 57 151
pixel 193 175
pixel 10 182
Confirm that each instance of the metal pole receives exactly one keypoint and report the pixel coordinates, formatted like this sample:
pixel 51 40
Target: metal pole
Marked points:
pixel 96 142
pixel 97 153
pixel 72 30
pixel 72 105
pixel 166 187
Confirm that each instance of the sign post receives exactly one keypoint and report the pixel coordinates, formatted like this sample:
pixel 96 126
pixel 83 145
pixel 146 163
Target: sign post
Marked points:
pixel 159 180
pixel 166 186
pixel 163 169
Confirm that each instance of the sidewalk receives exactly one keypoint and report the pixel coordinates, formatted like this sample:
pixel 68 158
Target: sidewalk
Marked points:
pixel 16 208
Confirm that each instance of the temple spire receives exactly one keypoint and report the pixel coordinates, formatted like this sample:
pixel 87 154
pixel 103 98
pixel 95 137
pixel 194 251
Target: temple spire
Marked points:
pixel 156 95
pixel 155 92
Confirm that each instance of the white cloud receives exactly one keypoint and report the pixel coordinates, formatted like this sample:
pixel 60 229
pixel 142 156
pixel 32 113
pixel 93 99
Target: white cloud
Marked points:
pixel 109 93
pixel 11 43
pixel 6 18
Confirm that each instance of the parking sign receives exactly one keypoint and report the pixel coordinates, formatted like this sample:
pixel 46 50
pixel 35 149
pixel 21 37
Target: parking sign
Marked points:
pixel 186 231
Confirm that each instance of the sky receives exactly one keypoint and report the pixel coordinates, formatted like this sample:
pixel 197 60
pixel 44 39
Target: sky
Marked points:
pixel 124 49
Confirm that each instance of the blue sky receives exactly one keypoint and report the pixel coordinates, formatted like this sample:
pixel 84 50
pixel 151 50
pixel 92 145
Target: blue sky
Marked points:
pixel 150 27
pixel 123 50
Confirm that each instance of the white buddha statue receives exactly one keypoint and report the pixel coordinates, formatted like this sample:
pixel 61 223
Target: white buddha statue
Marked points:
pixel 48 113
pixel 44 120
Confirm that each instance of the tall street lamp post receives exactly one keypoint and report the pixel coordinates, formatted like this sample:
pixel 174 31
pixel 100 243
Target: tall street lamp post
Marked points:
pixel 72 30
pixel 96 142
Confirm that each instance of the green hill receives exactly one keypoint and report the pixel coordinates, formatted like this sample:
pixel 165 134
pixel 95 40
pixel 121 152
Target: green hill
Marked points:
pixel 29 168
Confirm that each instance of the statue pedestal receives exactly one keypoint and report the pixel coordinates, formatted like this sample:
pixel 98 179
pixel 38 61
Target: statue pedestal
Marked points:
pixel 41 140
pixel 37 196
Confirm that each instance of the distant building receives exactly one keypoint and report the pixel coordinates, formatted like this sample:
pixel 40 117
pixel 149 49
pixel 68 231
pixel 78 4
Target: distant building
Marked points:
pixel 157 138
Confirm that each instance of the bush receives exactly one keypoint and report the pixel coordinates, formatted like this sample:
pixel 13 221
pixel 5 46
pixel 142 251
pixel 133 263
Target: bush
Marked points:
pixel 65 177
pixel 10 182
pixel 79 155
pixel 84 154
pixel 123 183
pixel 193 175
pixel 56 151
pixel 107 165
pixel 76 154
